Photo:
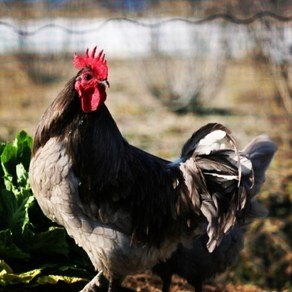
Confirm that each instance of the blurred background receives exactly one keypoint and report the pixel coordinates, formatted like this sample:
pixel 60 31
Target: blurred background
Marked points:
pixel 173 66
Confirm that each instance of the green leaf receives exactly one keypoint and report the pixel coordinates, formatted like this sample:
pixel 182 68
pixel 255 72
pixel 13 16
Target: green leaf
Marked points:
pixel 7 209
pixel 54 279
pixel 22 175
pixel 14 154
pixel 8 154
pixel 33 277
pixel 8 278
pixel 14 210
pixel 23 144
pixel 8 161
pixel 53 241
pixel 8 249
pixel 5 266
pixel 4 209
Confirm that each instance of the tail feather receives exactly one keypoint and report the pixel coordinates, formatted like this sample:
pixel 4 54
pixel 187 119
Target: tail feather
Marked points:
pixel 208 151
pixel 260 151
pixel 207 139
pixel 228 179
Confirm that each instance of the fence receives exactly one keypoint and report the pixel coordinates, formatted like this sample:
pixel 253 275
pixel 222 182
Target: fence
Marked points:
pixel 214 38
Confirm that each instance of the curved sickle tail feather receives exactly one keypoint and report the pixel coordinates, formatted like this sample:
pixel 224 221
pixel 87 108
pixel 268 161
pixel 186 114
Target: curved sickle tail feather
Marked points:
pixel 220 180
pixel 260 151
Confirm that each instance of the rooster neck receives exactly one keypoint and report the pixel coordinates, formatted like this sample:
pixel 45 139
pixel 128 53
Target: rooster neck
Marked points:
pixel 97 138
pixel 92 134
pixel 97 149
pixel 93 140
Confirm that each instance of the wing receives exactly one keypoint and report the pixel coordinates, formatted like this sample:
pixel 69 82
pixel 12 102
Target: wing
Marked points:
pixel 53 182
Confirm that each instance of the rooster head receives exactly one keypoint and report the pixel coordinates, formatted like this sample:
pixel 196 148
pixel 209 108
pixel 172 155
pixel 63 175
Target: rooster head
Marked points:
pixel 91 81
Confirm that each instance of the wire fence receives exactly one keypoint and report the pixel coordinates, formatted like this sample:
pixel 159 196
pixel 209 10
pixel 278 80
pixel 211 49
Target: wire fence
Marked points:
pixel 199 37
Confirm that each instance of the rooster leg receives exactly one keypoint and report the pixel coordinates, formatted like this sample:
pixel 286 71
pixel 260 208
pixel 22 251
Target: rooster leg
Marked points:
pixel 114 285
pixel 166 283
pixel 198 286
pixel 95 284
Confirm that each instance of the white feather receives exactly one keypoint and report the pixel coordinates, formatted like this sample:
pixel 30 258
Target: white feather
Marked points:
pixel 246 165
pixel 228 177
pixel 211 142
pixel 213 137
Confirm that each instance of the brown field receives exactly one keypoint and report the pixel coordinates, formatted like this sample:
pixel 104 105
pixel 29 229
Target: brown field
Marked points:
pixel 247 92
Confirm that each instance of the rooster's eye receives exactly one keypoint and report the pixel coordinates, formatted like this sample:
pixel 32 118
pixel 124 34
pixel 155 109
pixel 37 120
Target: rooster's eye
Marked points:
pixel 88 77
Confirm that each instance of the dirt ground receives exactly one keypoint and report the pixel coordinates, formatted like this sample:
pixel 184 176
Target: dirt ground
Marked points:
pixel 246 92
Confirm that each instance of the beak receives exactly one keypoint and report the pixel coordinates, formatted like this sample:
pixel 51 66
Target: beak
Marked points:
pixel 104 83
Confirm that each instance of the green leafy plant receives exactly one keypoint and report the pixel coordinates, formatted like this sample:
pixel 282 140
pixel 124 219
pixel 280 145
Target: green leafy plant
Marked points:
pixel 33 250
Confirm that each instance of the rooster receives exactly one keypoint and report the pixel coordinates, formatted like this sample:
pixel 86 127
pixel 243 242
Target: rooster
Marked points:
pixel 128 209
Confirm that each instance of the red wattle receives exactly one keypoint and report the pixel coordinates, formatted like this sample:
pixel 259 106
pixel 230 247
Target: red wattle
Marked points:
pixel 90 101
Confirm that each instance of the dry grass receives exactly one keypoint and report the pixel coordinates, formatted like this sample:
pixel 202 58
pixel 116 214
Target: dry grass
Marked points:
pixel 247 92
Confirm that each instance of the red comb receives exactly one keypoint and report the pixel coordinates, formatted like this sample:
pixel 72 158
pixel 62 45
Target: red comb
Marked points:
pixel 97 63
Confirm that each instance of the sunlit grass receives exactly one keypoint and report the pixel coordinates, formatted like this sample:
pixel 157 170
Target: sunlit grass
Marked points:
pixel 247 92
